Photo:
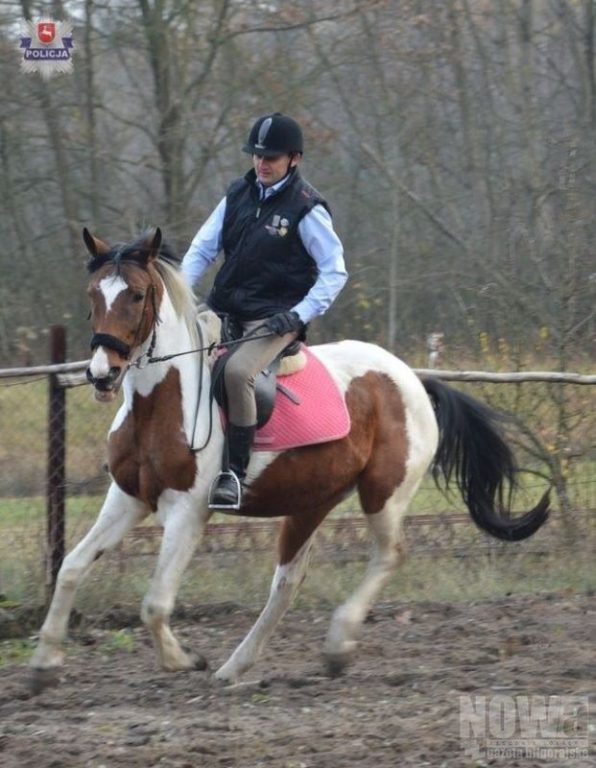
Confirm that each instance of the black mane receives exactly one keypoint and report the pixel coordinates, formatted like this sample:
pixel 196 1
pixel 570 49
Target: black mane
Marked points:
pixel 132 253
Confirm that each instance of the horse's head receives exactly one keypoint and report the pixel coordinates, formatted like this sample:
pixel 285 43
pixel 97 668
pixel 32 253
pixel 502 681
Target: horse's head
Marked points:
pixel 125 293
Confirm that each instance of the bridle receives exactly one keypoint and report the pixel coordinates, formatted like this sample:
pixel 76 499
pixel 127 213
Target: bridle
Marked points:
pixel 109 341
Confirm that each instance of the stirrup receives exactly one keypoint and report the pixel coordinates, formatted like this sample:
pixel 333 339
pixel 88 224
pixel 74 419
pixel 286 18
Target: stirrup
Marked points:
pixel 213 489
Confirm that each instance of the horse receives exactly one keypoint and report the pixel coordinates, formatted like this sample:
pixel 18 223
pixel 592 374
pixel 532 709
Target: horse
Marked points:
pixel 165 447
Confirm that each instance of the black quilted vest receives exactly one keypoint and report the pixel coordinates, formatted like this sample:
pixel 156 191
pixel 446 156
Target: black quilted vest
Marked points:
pixel 266 267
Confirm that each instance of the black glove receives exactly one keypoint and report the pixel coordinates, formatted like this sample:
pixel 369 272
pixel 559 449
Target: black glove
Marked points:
pixel 284 322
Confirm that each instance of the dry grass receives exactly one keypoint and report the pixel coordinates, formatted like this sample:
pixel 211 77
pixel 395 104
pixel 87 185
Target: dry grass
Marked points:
pixel 245 579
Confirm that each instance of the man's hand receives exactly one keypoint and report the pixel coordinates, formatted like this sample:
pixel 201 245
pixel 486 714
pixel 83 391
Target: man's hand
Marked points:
pixel 284 322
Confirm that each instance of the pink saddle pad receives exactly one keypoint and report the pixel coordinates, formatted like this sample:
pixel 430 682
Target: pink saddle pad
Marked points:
pixel 319 415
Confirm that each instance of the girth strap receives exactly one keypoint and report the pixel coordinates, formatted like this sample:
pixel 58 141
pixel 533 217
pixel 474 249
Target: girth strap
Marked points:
pixel 110 342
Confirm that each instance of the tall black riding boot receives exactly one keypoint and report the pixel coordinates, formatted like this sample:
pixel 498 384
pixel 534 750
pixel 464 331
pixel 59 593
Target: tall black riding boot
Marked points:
pixel 226 491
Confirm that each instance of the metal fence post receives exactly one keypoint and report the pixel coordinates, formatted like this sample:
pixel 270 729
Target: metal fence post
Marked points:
pixel 56 462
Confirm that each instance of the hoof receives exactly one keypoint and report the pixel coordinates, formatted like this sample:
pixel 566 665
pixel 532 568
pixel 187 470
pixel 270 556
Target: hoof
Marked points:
pixel 41 678
pixel 223 676
pixel 196 660
pixel 335 663
pixel 222 679
pixel 199 662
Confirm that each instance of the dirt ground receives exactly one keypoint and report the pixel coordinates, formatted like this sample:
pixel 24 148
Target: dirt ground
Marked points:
pixel 397 705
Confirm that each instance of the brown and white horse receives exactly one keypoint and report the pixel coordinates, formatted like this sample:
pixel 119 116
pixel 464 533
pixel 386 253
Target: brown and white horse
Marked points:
pixel 400 426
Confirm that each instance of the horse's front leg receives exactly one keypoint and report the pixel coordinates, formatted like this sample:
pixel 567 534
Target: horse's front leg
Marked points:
pixel 184 524
pixel 118 514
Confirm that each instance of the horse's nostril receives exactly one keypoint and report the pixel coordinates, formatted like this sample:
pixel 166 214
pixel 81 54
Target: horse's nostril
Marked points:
pixel 104 383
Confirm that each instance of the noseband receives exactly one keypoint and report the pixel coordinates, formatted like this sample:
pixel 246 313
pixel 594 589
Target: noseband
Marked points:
pixel 110 342
pixel 123 349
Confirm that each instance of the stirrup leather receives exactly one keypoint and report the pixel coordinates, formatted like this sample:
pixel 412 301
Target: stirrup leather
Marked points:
pixel 214 487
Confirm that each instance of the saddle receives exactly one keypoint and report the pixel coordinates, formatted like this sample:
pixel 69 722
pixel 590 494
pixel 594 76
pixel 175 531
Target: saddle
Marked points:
pixel 290 360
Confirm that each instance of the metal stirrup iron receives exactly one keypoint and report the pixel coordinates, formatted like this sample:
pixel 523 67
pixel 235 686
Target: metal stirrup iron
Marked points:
pixel 214 488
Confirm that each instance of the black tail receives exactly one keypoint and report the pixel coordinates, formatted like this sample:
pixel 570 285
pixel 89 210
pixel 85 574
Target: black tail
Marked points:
pixel 472 449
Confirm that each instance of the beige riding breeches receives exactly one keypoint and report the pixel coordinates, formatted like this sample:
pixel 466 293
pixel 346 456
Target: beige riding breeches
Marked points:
pixel 241 370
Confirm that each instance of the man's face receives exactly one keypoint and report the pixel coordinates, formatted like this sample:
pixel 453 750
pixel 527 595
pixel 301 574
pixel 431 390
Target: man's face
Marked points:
pixel 270 170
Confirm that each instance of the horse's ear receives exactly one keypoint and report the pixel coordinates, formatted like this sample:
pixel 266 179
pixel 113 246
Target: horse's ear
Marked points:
pixel 152 244
pixel 156 243
pixel 95 246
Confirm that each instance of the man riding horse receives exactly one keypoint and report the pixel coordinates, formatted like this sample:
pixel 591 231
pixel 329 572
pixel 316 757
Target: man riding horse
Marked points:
pixel 283 266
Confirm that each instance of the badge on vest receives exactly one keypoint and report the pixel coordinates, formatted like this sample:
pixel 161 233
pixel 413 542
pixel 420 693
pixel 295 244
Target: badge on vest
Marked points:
pixel 279 226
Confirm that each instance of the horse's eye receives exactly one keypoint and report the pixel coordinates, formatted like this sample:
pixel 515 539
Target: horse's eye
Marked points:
pixel 136 297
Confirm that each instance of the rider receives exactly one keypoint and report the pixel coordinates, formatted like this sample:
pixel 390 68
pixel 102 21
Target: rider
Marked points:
pixel 283 266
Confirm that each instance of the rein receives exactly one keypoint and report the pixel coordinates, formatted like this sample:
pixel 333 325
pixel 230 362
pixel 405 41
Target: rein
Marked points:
pixel 147 358
pixel 209 348
pixel 121 347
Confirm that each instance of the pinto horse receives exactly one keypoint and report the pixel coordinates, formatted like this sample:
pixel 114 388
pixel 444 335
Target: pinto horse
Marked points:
pixel 144 321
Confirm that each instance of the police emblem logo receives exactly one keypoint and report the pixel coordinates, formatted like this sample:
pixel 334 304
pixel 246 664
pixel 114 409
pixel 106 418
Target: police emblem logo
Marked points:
pixel 47 47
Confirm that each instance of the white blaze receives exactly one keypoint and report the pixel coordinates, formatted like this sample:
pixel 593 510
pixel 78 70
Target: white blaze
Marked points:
pixel 100 365
pixel 111 287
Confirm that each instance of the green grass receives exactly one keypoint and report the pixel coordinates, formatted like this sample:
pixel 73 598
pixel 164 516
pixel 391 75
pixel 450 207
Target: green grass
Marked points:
pixel 246 579
pixel 24 426
pixel 118 641
pixel 118 578
pixel 15 652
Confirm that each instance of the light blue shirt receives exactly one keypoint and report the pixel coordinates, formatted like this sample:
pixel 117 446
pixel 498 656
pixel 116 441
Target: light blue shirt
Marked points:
pixel 317 235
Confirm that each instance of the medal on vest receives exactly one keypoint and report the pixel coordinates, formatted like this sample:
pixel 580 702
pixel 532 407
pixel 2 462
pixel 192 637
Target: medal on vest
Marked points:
pixel 279 226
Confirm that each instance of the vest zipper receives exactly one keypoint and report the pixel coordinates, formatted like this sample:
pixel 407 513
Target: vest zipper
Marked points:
pixel 258 212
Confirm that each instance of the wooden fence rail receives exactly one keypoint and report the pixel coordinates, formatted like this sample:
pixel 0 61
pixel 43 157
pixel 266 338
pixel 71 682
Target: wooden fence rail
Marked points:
pixel 62 375
pixel 68 374
pixel 440 534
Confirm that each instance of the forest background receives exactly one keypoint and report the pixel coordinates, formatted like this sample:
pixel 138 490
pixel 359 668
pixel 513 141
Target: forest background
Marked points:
pixel 454 140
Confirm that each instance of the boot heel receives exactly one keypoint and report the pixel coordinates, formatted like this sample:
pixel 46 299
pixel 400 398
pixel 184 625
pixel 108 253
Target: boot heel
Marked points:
pixel 225 491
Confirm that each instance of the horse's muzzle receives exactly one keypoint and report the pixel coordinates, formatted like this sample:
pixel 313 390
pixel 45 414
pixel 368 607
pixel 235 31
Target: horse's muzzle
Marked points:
pixel 105 386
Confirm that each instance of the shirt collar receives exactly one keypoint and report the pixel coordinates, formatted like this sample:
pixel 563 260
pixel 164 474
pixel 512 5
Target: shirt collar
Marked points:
pixel 265 192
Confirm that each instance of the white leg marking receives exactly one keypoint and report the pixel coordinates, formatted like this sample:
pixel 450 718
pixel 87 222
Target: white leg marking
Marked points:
pixel 183 528
pixel 348 618
pixel 118 514
pixel 286 580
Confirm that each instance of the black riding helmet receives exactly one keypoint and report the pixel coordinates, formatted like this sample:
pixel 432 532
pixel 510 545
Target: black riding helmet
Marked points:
pixel 274 134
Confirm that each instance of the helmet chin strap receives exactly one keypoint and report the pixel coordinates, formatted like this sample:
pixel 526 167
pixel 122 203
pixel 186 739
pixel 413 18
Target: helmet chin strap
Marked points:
pixel 291 168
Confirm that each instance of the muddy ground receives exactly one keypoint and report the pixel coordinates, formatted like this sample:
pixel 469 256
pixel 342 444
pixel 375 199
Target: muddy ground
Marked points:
pixel 397 705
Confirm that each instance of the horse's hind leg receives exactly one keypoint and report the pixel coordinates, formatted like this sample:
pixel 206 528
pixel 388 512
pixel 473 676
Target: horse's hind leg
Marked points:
pixel 118 514
pixel 389 549
pixel 183 527
pixel 294 544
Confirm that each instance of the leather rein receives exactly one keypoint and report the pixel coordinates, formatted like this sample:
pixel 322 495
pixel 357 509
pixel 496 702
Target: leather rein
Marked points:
pixel 147 358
